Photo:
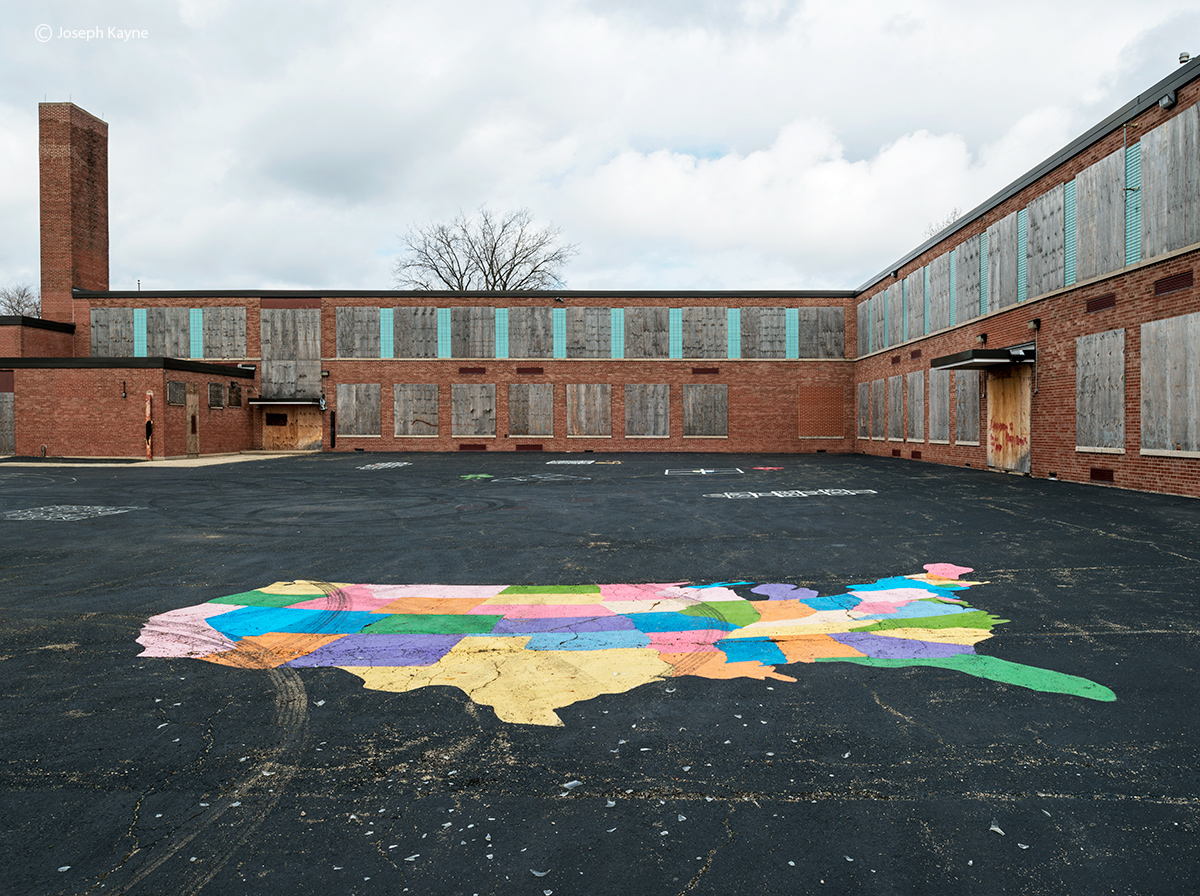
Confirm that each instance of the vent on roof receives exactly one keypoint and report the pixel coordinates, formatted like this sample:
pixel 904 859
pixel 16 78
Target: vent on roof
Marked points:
pixel 1173 283
pixel 1100 303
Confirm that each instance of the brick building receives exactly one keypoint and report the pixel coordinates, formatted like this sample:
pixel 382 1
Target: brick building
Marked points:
pixel 1052 331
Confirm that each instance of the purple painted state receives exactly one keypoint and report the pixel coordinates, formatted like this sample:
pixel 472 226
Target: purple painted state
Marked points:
pixel 532 626
pixel 778 591
pixel 883 648
pixel 380 650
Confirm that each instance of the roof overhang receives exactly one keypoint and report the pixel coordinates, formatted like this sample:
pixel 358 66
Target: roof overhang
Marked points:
pixel 276 402
pixel 985 358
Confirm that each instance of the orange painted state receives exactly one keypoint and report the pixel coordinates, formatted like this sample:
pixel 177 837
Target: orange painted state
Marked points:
pixel 810 648
pixel 270 650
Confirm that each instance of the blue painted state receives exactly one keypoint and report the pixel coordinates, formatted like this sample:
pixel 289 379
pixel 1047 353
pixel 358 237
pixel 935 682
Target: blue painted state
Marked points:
pixel 742 650
pixel 833 602
pixel 586 640
pixel 260 620
pixel 922 609
pixel 678 622
pixel 718 585
pixel 905 582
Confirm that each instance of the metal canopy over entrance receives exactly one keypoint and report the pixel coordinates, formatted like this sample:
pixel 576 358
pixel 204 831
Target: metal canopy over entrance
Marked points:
pixel 986 358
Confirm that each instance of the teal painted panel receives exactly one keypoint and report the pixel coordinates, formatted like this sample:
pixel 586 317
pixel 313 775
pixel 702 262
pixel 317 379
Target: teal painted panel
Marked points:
pixel 926 301
pixel 733 332
pixel 953 286
pixel 1133 203
pixel 1022 254
pixel 1071 240
pixel 139 332
pixel 196 332
pixel 387 333
pixel 443 324
pixel 791 332
pixel 501 332
pixel 558 322
pixel 983 247
pixel 617 332
pixel 674 332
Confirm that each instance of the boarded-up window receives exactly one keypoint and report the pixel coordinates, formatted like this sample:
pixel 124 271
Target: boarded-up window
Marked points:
pixel 1045 243
pixel 531 409
pixel 235 395
pixel 940 293
pixel 647 332
pixel 224 333
pixel 1171 384
pixel 216 395
pixel 112 332
pixel 966 407
pixel 939 405
pixel 705 410
pixel 472 409
pixel 877 409
pixel 589 409
pixel 1100 216
pixel 878 320
pixel 822 333
pixel 8 423
pixel 764 333
pixel 1170 189
pixel 916 406
pixel 966 272
pixel 914 284
pixel 473 332
pixel 895 428
pixel 176 393
pixel 358 409
pixel 357 332
pixel 864 328
pixel 415 332
pixel 893 301
pixel 589 333
pixel 167 333
pixel 415 409
pixel 864 410
pixel 291 353
pixel 648 410
pixel 704 333
pixel 1002 263
pixel 1100 390
pixel 530 333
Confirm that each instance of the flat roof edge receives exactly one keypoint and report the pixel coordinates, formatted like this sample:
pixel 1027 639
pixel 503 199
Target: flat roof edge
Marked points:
pixel 230 369
pixel 474 294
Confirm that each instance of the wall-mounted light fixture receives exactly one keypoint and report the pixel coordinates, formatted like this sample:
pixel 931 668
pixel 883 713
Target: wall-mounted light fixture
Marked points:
pixel 1035 324
pixel 122 388
pixel 981 338
pixel 324 373
pixel 1168 100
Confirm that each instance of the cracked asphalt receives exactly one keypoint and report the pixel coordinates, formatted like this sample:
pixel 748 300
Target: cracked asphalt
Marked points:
pixel 128 774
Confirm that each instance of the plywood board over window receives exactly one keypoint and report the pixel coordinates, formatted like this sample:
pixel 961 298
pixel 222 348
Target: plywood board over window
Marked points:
pixel 893 299
pixel 1002 263
pixel 895 427
pixel 914 283
pixel 1171 386
pixel 589 333
pixel 863 319
pixel 764 333
pixel 531 409
pixel 224 332
pixel 647 332
pixel 1046 243
pixel 530 333
pixel 1100 391
pixel 704 332
pixel 967 272
pixel 415 332
pixel 1100 217
pixel 878 402
pixel 358 409
pixel 966 407
pixel 415 409
pixel 168 333
pixel 916 406
pixel 291 353
pixel 589 409
pixel 864 410
pixel 112 332
pixel 648 410
pixel 473 332
pixel 940 293
pixel 472 410
pixel 705 410
pixel 1170 190
pixel 939 406
pixel 357 330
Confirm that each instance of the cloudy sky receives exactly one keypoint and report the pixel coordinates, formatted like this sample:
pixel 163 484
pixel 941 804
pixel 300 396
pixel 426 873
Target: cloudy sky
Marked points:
pixel 682 144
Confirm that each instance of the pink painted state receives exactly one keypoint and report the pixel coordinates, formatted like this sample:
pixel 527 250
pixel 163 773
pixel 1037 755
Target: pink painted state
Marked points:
pixel 890 600
pixel 947 570
pixel 185 632
pixel 647 591
pixel 686 642
pixel 541 611
pixel 358 598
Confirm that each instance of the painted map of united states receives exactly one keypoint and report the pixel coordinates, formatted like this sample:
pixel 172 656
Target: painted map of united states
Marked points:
pixel 529 650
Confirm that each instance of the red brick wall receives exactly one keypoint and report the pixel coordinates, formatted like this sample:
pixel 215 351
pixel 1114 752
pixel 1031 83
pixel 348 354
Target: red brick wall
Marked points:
pixel 34 342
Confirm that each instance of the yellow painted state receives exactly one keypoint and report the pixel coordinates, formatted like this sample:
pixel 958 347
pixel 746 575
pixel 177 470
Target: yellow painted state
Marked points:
pixel 524 686
pixel 301 587
pixel 941 635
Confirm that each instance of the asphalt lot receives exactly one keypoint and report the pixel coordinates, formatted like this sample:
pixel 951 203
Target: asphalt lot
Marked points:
pixel 130 774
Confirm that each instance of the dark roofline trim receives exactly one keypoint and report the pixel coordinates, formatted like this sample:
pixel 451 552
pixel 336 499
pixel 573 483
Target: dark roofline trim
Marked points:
pixel 127 364
pixel 473 294
pixel 1145 100
pixel 37 323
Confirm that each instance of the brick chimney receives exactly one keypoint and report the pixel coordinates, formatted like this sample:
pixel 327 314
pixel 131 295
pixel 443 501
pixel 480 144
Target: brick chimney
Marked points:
pixel 73 161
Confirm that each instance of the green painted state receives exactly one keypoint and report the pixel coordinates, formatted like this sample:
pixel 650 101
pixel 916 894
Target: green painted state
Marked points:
pixel 261 599
pixel 972 619
pixel 735 612
pixel 551 589
pixel 432 624
pixel 995 669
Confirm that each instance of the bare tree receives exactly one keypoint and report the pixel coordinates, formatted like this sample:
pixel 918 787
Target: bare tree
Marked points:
pixel 933 228
pixel 489 251
pixel 20 298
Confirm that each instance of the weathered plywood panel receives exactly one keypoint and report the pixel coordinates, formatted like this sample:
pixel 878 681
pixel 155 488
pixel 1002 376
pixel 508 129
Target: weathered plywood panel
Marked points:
pixel 939 293
pixel 647 332
pixel 878 408
pixel 1008 406
pixel 472 410
pixel 168 333
pixel 415 332
pixel 966 272
pixel 359 409
pixel 531 333
pixel 705 410
pixel 966 406
pixel 291 353
pixel 939 405
pixel 764 332
pixel 893 298
pixel 1100 217
pixel 589 332
pixel 831 332
pixel 916 406
pixel 878 309
pixel 1171 384
pixel 112 332
pixel 864 324
pixel 1100 390
pixel 895 409
pixel 1045 266
pixel 308 352
pixel 914 283
pixel 704 332
pixel 531 409
pixel 8 424
pixel 473 333
pixel 415 409
pixel 648 410
pixel 1002 263
pixel 357 332
pixel 864 410
pixel 1170 189
pixel 589 409
pixel 224 332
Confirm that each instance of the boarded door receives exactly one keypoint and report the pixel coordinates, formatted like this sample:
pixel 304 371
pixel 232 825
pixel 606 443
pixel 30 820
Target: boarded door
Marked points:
pixel 1008 400
pixel 8 429
pixel 192 415
pixel 292 428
